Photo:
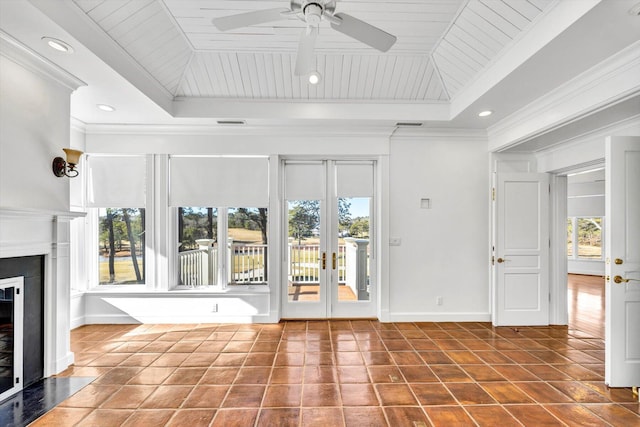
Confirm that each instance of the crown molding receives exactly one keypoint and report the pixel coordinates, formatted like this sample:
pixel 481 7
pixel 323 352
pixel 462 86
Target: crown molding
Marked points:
pixel 17 52
pixel 78 125
pixel 603 132
pixel 613 80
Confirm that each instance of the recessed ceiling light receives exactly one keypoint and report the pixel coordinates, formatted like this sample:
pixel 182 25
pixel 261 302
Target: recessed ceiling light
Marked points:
pixel 314 78
pixel 58 45
pixel 485 113
pixel 105 107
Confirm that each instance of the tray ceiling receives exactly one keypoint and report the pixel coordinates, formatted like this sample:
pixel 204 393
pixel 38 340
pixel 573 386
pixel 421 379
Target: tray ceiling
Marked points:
pixel 442 46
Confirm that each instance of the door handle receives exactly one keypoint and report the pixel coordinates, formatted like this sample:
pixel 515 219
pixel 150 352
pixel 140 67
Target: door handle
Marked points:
pixel 501 260
pixel 620 279
pixel 333 260
pixel 324 260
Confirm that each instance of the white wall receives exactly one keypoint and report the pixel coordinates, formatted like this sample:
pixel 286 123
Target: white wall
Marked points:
pixel 34 127
pixel 443 250
pixel 34 204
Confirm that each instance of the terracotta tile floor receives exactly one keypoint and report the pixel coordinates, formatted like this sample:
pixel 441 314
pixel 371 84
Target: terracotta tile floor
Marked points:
pixel 337 373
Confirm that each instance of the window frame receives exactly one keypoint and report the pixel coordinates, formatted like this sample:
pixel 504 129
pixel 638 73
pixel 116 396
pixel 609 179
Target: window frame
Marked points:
pixel 224 283
pixel 92 238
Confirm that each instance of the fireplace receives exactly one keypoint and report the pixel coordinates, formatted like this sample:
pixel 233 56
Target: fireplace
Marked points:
pixel 34 245
pixel 22 327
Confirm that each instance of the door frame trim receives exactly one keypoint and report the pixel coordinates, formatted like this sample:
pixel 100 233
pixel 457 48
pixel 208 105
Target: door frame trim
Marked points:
pixel 380 211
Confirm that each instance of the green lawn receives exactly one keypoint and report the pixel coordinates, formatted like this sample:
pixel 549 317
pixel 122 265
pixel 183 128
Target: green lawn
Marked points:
pixel 123 269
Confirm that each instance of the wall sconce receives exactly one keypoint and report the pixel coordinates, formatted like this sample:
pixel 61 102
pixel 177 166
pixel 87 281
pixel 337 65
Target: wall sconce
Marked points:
pixel 68 168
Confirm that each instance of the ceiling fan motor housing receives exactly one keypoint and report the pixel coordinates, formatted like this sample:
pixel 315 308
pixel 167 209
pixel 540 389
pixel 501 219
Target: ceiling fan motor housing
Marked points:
pixel 312 13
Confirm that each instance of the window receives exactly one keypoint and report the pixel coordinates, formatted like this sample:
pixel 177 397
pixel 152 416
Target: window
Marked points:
pixel 225 242
pixel 198 246
pixel 116 198
pixel 121 246
pixel 200 258
pixel 584 238
pixel 570 237
pixel 247 239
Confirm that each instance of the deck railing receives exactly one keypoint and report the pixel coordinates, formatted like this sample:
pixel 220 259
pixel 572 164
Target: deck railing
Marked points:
pixel 199 267
pixel 305 263
pixel 247 263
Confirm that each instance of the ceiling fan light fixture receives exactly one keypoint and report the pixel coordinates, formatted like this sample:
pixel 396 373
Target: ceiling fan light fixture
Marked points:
pixel 314 77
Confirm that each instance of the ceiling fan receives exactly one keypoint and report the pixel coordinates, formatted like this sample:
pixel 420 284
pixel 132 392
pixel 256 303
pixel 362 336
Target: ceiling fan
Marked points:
pixel 311 12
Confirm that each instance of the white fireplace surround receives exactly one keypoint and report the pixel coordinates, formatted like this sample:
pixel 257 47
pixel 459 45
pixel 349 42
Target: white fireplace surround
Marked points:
pixel 27 232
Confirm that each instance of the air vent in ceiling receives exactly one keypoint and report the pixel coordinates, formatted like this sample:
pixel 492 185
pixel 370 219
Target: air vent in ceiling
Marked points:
pixel 232 122
pixel 409 124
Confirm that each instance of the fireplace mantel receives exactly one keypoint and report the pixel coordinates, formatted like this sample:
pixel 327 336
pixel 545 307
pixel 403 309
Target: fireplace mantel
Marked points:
pixel 26 232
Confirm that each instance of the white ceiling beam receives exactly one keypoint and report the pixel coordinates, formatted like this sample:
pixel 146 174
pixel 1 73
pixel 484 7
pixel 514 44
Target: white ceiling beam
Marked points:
pixel 259 109
pixel 525 46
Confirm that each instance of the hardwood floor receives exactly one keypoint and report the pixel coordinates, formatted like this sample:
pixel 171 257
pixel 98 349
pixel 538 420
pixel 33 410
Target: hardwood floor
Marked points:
pixel 586 304
pixel 349 373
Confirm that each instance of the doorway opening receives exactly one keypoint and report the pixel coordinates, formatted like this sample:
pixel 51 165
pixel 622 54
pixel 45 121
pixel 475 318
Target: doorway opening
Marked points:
pixel 585 233
pixel 330 239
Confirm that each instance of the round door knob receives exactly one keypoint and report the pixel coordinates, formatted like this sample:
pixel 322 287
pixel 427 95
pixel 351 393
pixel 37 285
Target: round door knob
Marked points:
pixel 500 260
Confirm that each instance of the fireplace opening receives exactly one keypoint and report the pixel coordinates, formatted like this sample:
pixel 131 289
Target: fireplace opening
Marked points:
pixel 11 322
pixel 31 268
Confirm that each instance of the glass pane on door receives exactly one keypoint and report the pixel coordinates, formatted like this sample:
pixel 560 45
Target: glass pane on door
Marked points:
pixel 352 261
pixel 7 328
pixel 303 251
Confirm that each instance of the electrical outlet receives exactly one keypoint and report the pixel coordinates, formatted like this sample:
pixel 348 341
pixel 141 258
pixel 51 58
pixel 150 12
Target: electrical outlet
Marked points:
pixel 439 300
pixel 215 308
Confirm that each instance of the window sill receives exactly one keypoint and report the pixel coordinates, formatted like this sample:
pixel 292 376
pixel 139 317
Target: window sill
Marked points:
pixel 231 289
pixel 183 291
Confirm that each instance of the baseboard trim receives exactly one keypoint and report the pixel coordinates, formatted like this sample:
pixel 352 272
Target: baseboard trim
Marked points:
pixel 440 317
pixel 77 322
pixel 124 319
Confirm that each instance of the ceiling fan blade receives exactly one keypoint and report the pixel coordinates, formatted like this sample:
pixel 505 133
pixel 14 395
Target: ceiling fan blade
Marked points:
pixel 362 31
pixel 304 58
pixel 232 22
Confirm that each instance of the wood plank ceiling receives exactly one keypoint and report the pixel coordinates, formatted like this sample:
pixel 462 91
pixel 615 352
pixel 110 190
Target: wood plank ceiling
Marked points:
pixel 442 46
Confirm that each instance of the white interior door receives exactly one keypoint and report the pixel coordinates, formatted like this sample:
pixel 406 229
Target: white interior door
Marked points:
pixel 329 247
pixel 521 249
pixel 622 248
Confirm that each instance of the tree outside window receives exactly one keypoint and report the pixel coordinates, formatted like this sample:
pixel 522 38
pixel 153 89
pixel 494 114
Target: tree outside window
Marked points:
pixel 584 238
pixel 121 246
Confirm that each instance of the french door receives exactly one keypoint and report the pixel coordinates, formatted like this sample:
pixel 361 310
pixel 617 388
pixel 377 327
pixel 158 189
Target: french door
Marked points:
pixel 330 254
